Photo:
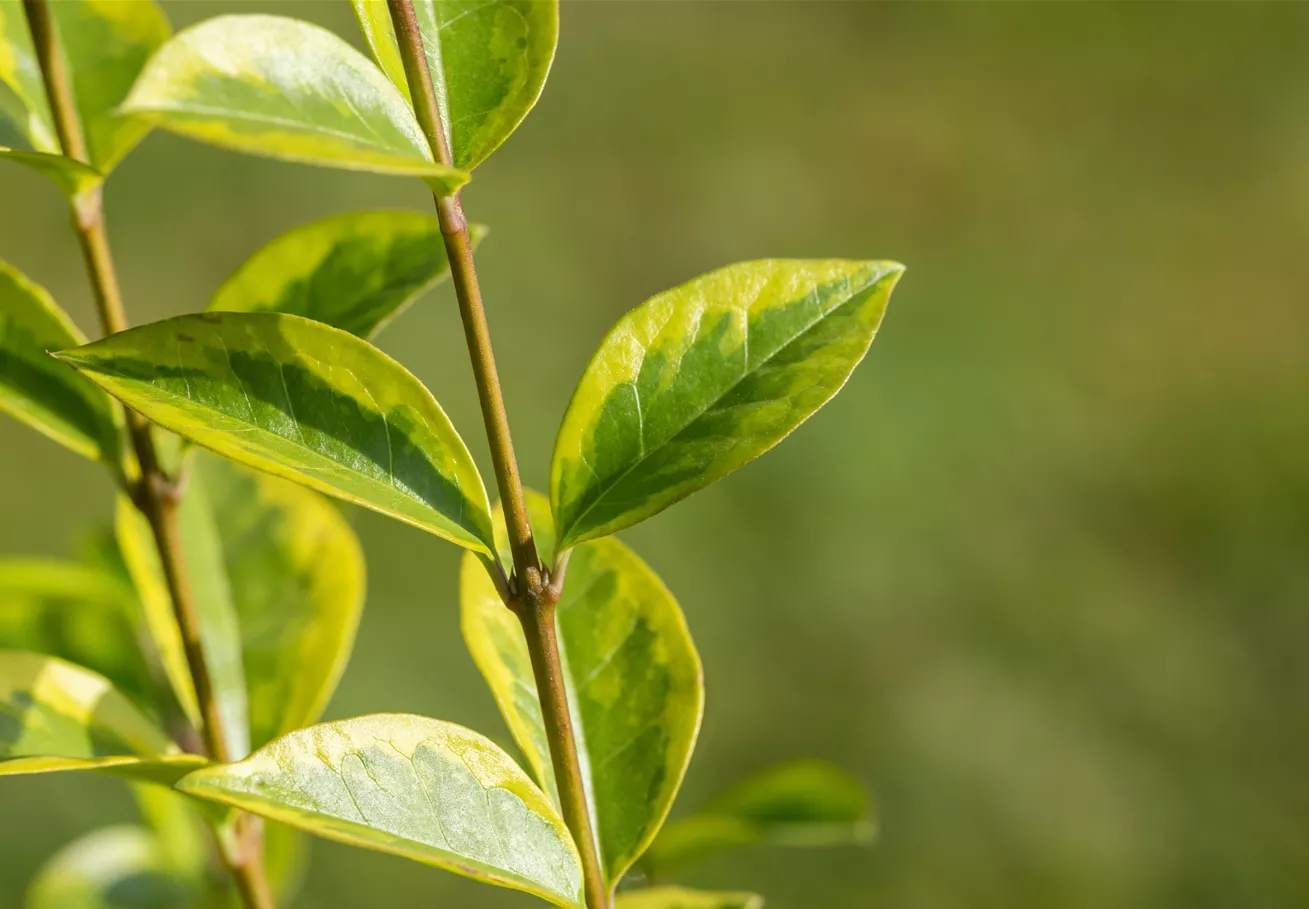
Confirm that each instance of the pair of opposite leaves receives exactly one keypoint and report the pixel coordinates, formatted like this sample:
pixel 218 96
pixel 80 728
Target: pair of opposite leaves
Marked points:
pixel 488 58
pixel 677 466
pixel 685 389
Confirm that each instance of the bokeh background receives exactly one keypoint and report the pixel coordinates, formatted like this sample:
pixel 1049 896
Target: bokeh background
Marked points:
pixel 1040 574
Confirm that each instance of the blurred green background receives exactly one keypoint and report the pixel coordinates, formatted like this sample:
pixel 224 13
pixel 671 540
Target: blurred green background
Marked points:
pixel 1040 574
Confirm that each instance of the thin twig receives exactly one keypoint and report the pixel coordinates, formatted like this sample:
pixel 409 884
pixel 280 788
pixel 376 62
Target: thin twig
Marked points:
pixel 529 594
pixel 155 494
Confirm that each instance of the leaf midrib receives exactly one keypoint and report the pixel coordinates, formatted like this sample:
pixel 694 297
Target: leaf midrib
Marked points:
pixel 281 121
pixel 108 369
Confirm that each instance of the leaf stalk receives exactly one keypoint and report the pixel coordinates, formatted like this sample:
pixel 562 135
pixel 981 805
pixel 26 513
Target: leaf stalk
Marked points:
pixel 155 494
pixel 531 594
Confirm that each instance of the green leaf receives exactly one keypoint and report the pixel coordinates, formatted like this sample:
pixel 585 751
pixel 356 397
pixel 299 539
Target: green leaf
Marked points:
pixel 21 76
pixel 286 89
pixel 427 790
pixel 78 614
pixel 220 632
pixel 633 678
pixel 802 803
pixel 57 716
pixel 39 391
pixel 106 44
pixel 488 58
pixel 297 578
pixel 355 272
pixel 124 867
pixel 302 401
pixel 185 842
pixel 72 177
pixel 700 379
pixel 681 898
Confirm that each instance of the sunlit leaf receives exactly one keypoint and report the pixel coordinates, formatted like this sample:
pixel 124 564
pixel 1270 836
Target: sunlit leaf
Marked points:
pixel 488 58
pixel 681 898
pixel 72 177
pixel 220 632
pixel 632 674
pixel 802 803
pixel 40 391
pixel 427 790
pixel 303 401
pixel 125 867
pixel 297 578
pixel 702 378
pixel 355 271
pixel 21 76
pixel 57 716
pixel 279 87
pixel 78 614
pixel 106 43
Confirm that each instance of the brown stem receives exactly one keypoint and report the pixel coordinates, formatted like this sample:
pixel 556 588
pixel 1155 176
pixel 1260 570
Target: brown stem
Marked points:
pixel 459 248
pixel 155 494
pixel 538 621
pixel 531 596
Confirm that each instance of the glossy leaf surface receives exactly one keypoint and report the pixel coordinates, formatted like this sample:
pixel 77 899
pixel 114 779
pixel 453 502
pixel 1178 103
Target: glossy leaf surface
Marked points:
pixel 488 58
pixel 40 391
pixel 700 379
pixel 124 867
pixel 282 88
pixel 76 613
pixel 72 177
pixel 296 573
pixel 427 790
pixel 57 716
pixel 106 44
pixel 21 76
pixel 303 401
pixel 632 674
pixel 354 271
pixel 220 631
pixel 681 898
pixel 802 803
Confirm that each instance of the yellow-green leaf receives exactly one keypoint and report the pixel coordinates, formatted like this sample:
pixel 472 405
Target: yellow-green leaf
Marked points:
pixel 20 75
pixel 702 378
pixel 427 790
pixel 76 613
pixel 633 679
pixel 220 632
pixel 124 867
pixel 282 88
pixel 681 898
pixel 801 803
pixel 106 44
pixel 40 391
pixel 297 578
pixel 185 841
pixel 72 177
pixel 488 58
pixel 56 716
pixel 303 401
pixel 355 271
